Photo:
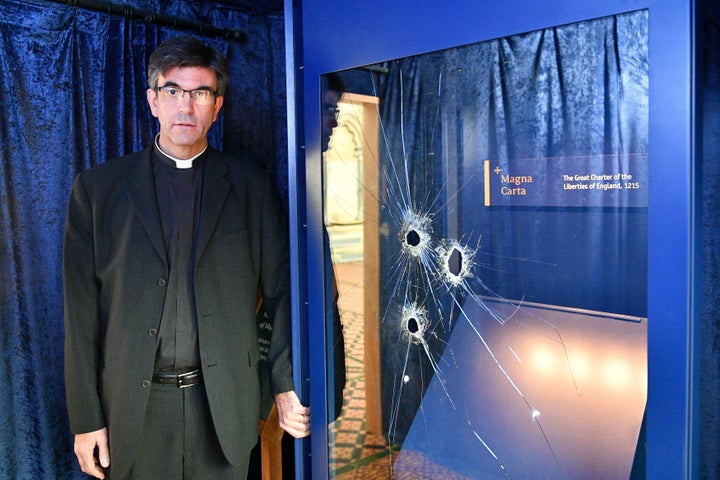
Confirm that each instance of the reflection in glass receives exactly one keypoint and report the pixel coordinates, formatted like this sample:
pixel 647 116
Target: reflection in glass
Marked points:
pixel 487 213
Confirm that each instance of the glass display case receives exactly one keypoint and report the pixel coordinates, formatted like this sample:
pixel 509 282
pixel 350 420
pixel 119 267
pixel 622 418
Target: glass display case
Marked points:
pixel 486 210
pixel 502 176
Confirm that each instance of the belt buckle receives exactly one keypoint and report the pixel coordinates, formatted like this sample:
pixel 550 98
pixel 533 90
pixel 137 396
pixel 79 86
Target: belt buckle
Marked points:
pixel 181 379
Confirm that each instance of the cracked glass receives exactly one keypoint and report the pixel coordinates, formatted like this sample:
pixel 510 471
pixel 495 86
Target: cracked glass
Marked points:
pixel 486 209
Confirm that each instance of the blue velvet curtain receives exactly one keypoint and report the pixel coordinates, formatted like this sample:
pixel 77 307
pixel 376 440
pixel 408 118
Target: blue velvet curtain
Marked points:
pixel 710 201
pixel 72 94
pixel 564 92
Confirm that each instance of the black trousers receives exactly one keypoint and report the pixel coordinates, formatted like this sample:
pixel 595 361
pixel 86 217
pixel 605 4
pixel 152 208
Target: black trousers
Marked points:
pixel 179 440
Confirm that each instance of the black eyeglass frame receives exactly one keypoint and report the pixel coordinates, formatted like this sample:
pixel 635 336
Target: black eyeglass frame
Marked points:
pixel 193 93
pixel 332 110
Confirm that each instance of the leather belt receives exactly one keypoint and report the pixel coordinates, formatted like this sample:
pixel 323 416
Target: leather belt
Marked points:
pixel 182 380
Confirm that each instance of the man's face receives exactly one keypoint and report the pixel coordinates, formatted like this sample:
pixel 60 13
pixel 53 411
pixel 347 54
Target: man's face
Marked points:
pixel 329 118
pixel 183 123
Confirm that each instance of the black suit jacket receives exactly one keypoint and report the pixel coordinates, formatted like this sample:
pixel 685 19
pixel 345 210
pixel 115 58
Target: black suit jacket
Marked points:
pixel 115 275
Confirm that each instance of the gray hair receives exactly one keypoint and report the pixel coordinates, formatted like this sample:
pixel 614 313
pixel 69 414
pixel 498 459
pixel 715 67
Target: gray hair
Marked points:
pixel 187 51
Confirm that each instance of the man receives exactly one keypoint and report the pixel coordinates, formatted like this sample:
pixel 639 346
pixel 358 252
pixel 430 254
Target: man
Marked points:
pixel 165 250
pixel 333 89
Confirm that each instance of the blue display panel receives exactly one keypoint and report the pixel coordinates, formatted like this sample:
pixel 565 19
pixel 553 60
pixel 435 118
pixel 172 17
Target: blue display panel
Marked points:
pixel 372 32
pixel 549 400
pixel 498 192
pixel 590 181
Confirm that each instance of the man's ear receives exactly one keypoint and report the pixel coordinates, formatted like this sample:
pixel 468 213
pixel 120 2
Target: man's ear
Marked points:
pixel 218 106
pixel 152 101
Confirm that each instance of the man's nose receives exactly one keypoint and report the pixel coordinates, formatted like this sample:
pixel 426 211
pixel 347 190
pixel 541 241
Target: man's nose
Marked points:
pixel 186 103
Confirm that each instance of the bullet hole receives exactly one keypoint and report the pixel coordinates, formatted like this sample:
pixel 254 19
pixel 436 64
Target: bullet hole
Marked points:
pixel 415 235
pixel 412 325
pixel 455 262
pixel 415 323
pixel 412 238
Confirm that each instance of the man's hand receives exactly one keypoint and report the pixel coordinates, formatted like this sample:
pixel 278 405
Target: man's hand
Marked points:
pixel 85 444
pixel 293 417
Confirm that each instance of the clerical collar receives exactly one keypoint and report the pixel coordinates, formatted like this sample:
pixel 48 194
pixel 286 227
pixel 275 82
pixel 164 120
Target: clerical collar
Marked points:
pixel 179 163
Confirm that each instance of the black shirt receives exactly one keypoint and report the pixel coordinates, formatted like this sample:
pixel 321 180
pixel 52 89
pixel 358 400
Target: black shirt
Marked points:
pixel 178 194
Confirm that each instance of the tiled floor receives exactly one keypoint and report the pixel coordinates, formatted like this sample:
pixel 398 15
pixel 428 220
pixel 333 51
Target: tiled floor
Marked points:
pixel 358 454
pixel 354 447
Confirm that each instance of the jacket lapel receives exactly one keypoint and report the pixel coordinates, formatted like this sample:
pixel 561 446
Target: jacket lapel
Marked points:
pixel 142 197
pixel 215 191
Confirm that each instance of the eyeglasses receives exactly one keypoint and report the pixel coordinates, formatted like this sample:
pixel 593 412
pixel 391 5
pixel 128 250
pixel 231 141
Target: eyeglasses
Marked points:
pixel 333 111
pixel 200 96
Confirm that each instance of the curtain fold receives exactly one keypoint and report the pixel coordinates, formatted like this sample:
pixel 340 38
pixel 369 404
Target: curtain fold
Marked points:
pixel 72 95
pixel 710 315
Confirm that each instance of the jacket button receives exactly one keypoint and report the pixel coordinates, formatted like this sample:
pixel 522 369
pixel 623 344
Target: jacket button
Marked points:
pixel 146 383
pixel 153 332
pixel 161 282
